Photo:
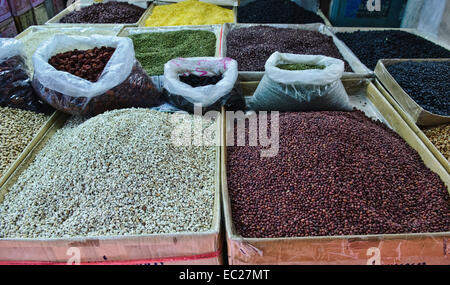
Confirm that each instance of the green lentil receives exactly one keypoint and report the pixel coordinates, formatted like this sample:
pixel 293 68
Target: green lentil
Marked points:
pixel 153 50
pixel 299 66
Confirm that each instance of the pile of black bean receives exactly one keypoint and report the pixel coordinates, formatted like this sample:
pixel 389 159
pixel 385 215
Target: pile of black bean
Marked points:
pixel 371 46
pixel 103 13
pixel 427 83
pixel 251 47
pixel 276 12
pixel 336 173
pixel 198 81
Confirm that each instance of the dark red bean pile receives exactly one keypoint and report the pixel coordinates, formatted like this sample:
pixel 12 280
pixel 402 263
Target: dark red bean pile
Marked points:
pixel 336 173
pixel 104 13
pixel 426 83
pixel 251 47
pixel 16 90
pixel 88 64
pixel 197 81
pixel 276 12
pixel 370 46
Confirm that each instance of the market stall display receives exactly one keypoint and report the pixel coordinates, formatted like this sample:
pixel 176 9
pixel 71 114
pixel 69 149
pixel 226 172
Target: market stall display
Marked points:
pixel 189 13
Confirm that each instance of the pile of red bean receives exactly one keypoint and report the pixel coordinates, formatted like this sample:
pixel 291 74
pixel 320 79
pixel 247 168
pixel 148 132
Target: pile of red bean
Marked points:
pixel 336 173
pixel 88 64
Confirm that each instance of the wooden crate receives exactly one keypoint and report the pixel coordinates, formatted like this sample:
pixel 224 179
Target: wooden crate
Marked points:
pixel 429 248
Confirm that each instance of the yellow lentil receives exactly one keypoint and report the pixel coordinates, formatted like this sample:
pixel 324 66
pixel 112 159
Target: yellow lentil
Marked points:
pixel 190 12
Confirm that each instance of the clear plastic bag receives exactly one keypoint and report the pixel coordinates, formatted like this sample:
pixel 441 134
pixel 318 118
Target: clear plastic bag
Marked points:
pixel 226 92
pixel 16 90
pixel 122 84
pixel 301 90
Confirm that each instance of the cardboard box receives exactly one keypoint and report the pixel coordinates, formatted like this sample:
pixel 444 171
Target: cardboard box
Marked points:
pixel 354 63
pixel 24 21
pixel 168 249
pixel 429 248
pixel 40 14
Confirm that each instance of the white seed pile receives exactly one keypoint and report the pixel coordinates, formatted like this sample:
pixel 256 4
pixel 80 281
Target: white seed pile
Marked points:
pixel 115 174
pixel 17 129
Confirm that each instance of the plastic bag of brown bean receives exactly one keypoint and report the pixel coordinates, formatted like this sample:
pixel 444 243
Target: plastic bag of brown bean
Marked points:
pixel 16 90
pixel 305 83
pixel 207 82
pixel 88 76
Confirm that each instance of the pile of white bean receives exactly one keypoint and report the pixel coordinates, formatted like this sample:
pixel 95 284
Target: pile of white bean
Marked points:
pixel 118 173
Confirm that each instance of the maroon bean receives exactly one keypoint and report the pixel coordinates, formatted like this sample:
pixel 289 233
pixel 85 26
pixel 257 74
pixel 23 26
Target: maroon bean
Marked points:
pixel 336 173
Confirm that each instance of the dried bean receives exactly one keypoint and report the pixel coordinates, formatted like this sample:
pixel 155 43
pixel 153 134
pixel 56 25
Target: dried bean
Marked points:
pixel 336 173
pixel 426 83
pixel 17 129
pixel 276 12
pixel 16 90
pixel 370 46
pixel 103 13
pixel 137 90
pixel 251 47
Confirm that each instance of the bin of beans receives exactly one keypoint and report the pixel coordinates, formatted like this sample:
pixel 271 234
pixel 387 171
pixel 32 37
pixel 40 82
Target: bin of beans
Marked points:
pixel 293 82
pixel 109 12
pixel 276 12
pixel 369 46
pixel 440 137
pixel 101 75
pixel 420 86
pixel 252 44
pixel 156 46
pixel 16 90
pixel 189 13
pixel 341 182
pixel 206 82
pixel 34 36
pixel 116 181
pixel 17 130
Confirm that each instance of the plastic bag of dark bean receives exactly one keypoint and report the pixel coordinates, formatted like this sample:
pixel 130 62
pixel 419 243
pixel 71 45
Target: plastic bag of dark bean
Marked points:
pixel 206 82
pixel 294 82
pixel 88 76
pixel 16 90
